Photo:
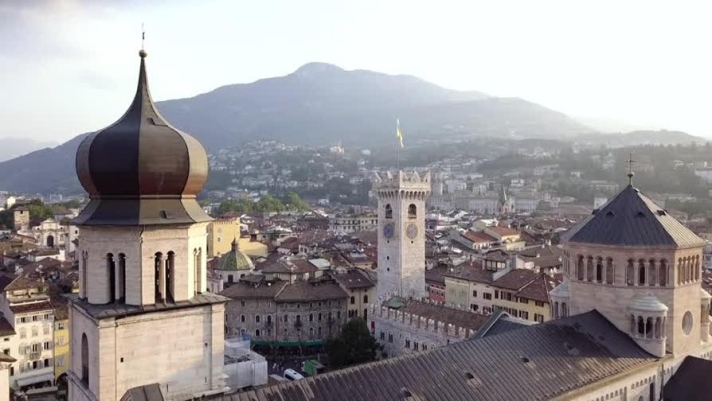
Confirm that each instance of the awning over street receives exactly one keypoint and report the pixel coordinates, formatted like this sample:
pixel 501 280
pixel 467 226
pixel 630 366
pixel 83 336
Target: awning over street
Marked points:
pixel 28 381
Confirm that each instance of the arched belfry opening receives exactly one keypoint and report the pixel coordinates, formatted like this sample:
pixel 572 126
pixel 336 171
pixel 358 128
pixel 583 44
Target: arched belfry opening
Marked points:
pixel 170 275
pixel 85 360
pixel 111 267
pixel 389 211
pixel 50 241
pixel 412 211
pixel 159 285
pixel 122 279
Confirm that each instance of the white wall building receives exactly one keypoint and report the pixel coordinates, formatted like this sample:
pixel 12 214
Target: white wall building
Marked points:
pixel 25 305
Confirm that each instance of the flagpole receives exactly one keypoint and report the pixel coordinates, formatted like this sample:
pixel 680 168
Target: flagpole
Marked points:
pixel 398 146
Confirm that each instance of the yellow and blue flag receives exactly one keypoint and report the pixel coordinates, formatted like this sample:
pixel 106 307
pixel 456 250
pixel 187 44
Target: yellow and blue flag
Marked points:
pixel 399 135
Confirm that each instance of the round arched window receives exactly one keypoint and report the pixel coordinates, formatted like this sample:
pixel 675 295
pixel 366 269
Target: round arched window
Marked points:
pixel 687 323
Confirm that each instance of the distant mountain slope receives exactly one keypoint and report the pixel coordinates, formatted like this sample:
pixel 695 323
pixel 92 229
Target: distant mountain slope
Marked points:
pixel 641 137
pixel 15 147
pixel 318 104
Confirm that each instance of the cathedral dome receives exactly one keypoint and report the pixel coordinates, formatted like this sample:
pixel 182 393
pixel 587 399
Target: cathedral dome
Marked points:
pixel 141 170
pixel 648 303
pixel 632 219
pixel 235 260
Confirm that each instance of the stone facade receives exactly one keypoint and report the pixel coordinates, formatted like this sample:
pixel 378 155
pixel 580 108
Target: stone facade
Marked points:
pixel 173 348
pixel 302 321
pixel 402 333
pixel 138 248
pixel 670 275
pixel 401 233
pixel 271 321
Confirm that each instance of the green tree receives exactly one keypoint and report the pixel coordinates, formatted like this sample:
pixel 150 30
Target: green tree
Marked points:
pixel 353 346
pixel 269 203
pixel 39 212
pixel 293 201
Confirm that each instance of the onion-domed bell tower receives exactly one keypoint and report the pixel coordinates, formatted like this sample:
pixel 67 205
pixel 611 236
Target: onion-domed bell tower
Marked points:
pixel 401 234
pixel 143 314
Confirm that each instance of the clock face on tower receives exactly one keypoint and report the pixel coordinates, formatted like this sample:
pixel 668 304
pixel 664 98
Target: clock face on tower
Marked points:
pixel 412 231
pixel 388 230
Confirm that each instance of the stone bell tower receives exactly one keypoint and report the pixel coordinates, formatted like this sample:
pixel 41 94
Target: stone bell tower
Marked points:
pixel 401 233
pixel 143 315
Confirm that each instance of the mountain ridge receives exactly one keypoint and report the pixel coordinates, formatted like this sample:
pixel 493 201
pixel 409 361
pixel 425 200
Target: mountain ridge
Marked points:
pixel 317 104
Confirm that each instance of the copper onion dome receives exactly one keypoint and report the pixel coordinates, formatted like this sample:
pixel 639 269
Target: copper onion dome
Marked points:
pixel 141 170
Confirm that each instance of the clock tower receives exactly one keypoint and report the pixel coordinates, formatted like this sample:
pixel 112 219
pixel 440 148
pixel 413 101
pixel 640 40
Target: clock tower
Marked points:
pixel 401 234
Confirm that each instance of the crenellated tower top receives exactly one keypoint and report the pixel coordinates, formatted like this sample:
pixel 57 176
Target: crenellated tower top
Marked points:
pixel 403 184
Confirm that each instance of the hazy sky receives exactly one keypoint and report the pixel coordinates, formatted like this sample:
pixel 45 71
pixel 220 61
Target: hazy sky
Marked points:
pixel 68 67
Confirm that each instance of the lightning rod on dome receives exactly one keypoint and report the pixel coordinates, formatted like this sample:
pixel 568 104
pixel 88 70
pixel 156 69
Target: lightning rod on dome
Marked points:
pixel 630 163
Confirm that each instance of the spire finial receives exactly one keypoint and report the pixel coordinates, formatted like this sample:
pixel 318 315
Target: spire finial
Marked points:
pixel 142 53
pixel 630 174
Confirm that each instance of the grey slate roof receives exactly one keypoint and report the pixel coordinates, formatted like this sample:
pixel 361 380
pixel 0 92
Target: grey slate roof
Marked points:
pixel 149 392
pixel 547 360
pixel 632 219
pixel 691 381
pixel 500 322
pixel 101 311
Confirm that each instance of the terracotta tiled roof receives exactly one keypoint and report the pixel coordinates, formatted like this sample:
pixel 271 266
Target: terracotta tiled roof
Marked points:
pixel 516 279
pixel 473 272
pixel 435 275
pixel 479 237
pixel 31 307
pixel 265 290
pixel 354 279
pixel 296 266
pixel 304 291
pixel 503 230
pixel 457 317
pixel 23 283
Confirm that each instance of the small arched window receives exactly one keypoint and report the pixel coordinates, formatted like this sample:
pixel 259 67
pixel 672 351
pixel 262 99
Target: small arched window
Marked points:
pixel 564 310
pixel 641 272
pixel 663 272
pixel 641 327
pixel 630 273
pixel 269 318
pixel 652 273
pixel 589 269
pixel 257 318
pixel 610 274
pixel 242 318
pixel 579 268
pixel 365 299
pixel 389 211
pixel 257 333
pixel 599 270
pixel 85 360
pixel 412 211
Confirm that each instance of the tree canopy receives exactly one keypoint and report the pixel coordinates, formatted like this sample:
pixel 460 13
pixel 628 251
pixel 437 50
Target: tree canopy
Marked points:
pixel 266 204
pixel 353 346
pixel 38 213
